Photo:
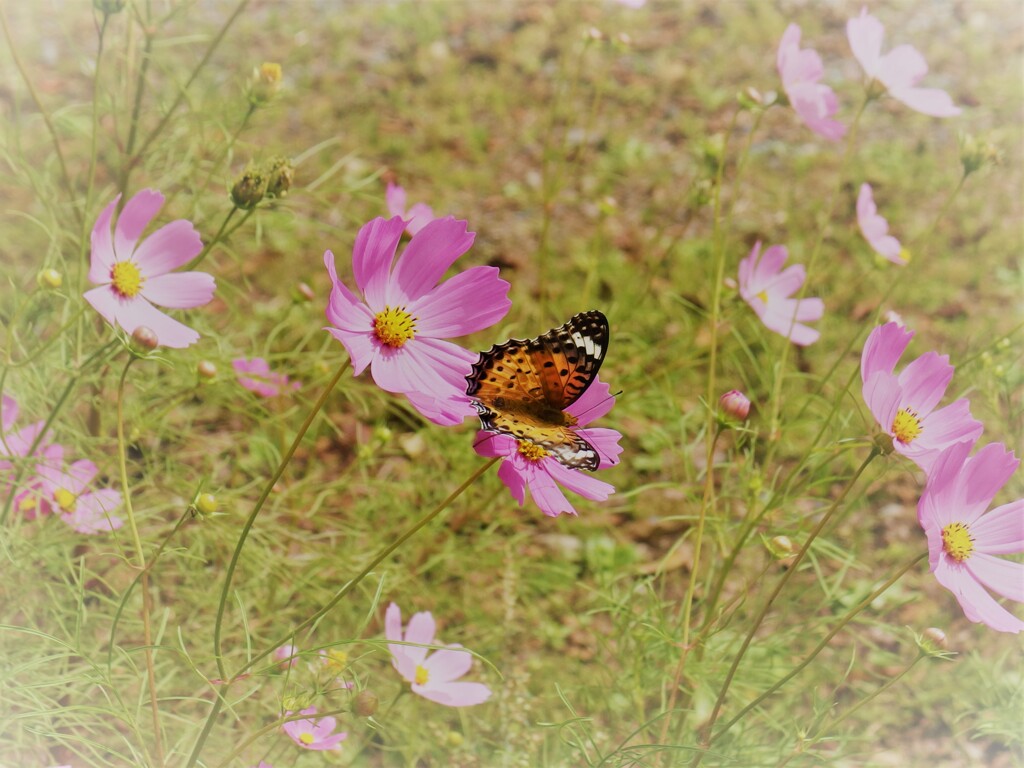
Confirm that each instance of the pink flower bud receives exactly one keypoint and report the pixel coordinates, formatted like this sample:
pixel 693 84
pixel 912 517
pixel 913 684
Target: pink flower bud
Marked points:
pixel 145 338
pixel 734 403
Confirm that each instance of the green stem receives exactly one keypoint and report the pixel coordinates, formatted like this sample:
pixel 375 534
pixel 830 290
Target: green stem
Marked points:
pixel 216 239
pixel 228 146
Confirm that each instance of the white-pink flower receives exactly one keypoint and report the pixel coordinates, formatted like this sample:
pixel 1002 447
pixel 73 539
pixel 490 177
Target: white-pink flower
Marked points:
pixel 134 274
pixel 435 676
pixel 255 375
pixel 316 733
pixel 876 229
pixel 398 330
pixel 416 217
pixel 767 288
pixel 68 491
pixel 529 466
pixel 964 540
pixel 800 72
pixel 16 447
pixel 900 70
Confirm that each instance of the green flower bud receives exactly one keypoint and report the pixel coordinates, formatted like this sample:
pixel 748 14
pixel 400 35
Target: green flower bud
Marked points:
pixel 50 278
pixel 264 83
pixel 280 175
pixel 249 189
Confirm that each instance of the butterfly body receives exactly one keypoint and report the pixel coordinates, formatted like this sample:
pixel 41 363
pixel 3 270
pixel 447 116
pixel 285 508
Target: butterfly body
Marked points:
pixel 522 387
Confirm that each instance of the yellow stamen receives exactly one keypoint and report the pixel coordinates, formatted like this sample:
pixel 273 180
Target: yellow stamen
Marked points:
pixel 127 279
pixel 763 296
pixel 394 327
pixel 65 499
pixel 532 451
pixel 306 738
pixel 906 427
pixel 957 541
pixel 336 660
pixel 904 254
pixel 421 675
pixel 29 504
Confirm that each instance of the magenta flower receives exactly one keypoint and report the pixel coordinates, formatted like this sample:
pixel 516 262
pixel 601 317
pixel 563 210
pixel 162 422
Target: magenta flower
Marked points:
pixel 133 276
pixel 900 70
pixel 315 733
pixel 800 71
pixel 904 404
pixel 433 677
pixel 527 465
pixel 876 229
pixel 69 492
pixel 255 375
pixel 398 328
pixel 766 288
pixel 416 218
pixel 963 540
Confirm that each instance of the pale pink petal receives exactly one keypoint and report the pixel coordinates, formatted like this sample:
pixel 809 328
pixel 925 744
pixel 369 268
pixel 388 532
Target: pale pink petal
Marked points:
pixel 883 349
pixel 393 623
pixel 882 396
pixel 169 332
pixel 513 478
pixel 421 629
pixel 256 365
pixel 180 290
pixel 1004 577
pixel 1001 531
pixel 455 694
pixel 746 271
pixel 403 369
pixel 578 481
pixel 865 34
pixel 984 475
pixel 361 347
pixel 593 404
pixel 545 491
pixel 403 657
pixel 426 258
pixel 170 247
pixel 606 443
pixel 19 443
pixel 443 411
pixel 794 65
pixel 785 283
pixel 105 301
pixel 328 743
pixel 875 228
pixel 395 199
pixel 468 302
pixel 93 512
pixel 372 256
pixel 447 665
pixel 79 475
pixel 448 360
pixel 902 67
pixel 783 320
pixel 768 265
pixel 951 424
pixel 323 727
pixel 815 105
pixel 102 257
pixel 933 102
pixel 418 217
pixel 347 313
pixel 977 604
pixel 8 412
pixel 939 504
pixel 134 218
pixel 924 382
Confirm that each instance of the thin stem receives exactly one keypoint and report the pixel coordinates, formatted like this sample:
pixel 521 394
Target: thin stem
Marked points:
pixel 766 606
pixel 228 146
pixel 216 239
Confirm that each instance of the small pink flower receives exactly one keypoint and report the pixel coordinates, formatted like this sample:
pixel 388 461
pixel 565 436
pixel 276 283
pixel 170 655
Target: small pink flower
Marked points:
pixel 255 375
pixel 904 404
pixel 433 677
pixel 735 404
pixel 16 446
pixel 767 288
pixel 876 229
pixel 69 492
pixel 416 218
pixel 287 656
pixel 900 70
pixel 527 465
pixel 800 71
pixel 963 539
pixel 134 275
pixel 399 327
pixel 315 733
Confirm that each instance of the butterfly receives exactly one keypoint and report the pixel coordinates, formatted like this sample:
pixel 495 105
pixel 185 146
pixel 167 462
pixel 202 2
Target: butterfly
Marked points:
pixel 522 387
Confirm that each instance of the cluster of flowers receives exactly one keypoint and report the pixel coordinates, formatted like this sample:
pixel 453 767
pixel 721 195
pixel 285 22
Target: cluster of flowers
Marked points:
pixel 56 486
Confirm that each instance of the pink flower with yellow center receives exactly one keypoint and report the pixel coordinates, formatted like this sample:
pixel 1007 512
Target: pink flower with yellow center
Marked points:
pixel 527 465
pixel 767 288
pixel 964 539
pixel 399 327
pixel 16 448
pixel 255 375
pixel 69 492
pixel 416 217
pixel 434 677
pixel 904 404
pixel 133 274
pixel 800 71
pixel 316 733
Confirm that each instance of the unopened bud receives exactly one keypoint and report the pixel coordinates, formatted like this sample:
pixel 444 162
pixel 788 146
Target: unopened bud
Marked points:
pixel 264 83
pixel 280 175
pixel 304 293
pixel 145 338
pixel 249 189
pixel 365 703
pixel 206 369
pixel 976 153
pixel 206 503
pixel 454 739
pixel 108 7
pixel 735 404
pixel 936 638
pixel 883 443
pixel 781 546
pixel 50 278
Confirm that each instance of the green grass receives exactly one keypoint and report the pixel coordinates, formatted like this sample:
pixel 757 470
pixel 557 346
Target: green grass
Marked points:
pixel 587 169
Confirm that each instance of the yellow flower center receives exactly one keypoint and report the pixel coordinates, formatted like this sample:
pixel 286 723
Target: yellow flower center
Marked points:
pixel 336 660
pixel 906 427
pixel 29 503
pixel 306 738
pixel 957 541
pixel 421 675
pixel 763 296
pixel 65 499
pixel 394 327
pixel 531 451
pixel 126 278
pixel 905 254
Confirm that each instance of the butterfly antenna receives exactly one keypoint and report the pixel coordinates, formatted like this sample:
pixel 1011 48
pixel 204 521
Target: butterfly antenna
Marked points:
pixel 582 431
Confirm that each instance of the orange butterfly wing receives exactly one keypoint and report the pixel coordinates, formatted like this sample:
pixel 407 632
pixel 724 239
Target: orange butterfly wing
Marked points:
pixel 522 387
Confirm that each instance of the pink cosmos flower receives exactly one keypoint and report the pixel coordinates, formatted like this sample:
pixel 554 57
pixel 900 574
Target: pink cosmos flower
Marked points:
pixel 287 656
pixel 433 677
pixel 800 71
pixel 527 465
pixel 316 733
pixel 416 218
pixel 736 404
pixel 398 328
pixel 69 491
pixel 17 445
pixel 899 70
pixel 255 375
pixel 876 229
pixel 132 275
pixel 767 288
pixel 963 539
pixel 904 404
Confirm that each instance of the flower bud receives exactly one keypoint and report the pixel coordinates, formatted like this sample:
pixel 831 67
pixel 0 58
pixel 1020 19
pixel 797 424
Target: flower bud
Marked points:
pixel 50 278
pixel 936 638
pixel 206 504
pixel 734 403
pixel 264 83
pixel 365 703
pixel 206 369
pixel 249 189
pixel 304 293
pixel 145 338
pixel 454 739
pixel 883 443
pixel 781 546
pixel 280 174
pixel 108 7
pixel 976 153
